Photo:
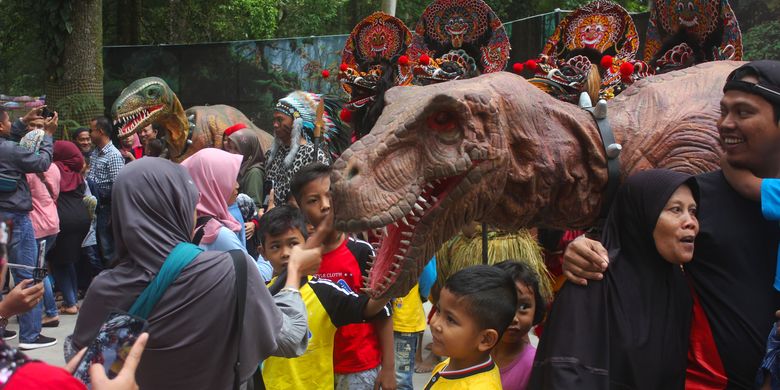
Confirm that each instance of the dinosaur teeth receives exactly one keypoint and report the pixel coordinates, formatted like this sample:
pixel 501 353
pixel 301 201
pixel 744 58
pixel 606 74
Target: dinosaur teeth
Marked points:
pixel 429 186
pixel 418 207
pixel 406 234
pixel 405 221
pixel 397 265
pixel 405 242
pixel 399 258
pixel 434 199
pixel 421 200
pixel 415 218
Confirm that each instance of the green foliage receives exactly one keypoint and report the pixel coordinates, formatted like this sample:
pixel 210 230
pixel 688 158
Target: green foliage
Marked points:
pixel 22 71
pixel 551 5
pixel 192 21
pixel 298 18
pixel 762 42
pixel 57 19
pixel 75 105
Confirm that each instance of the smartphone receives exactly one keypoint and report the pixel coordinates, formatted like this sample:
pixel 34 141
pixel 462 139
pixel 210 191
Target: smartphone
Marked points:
pixel 40 273
pixel 268 185
pixel 111 346
pixel 46 113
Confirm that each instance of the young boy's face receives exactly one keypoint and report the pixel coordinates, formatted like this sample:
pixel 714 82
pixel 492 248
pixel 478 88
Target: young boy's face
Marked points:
pixel 315 199
pixel 276 249
pixel 524 316
pixel 455 332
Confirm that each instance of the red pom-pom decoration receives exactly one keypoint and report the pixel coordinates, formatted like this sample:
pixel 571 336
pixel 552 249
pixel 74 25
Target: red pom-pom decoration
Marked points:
pixel 345 115
pixel 626 69
pixel 606 62
pixel 325 74
pixel 344 67
pixel 403 60
pixel 531 65
pixel 517 67
pixel 424 59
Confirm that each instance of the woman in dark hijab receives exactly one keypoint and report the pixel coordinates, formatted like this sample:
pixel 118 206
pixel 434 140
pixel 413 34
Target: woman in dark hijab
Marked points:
pixel 631 329
pixel 74 223
pixel 190 344
pixel 252 172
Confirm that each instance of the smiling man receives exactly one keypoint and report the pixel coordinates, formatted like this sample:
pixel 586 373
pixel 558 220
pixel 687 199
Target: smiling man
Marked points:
pixel 733 268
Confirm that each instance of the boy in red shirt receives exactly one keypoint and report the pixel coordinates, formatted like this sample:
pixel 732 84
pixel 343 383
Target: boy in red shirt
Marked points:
pixel 359 348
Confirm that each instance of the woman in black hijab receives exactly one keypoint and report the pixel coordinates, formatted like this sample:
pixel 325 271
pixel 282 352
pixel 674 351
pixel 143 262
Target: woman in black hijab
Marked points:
pixel 629 330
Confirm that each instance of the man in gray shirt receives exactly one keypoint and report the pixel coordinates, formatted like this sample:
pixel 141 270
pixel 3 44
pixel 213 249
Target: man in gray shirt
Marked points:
pixel 15 206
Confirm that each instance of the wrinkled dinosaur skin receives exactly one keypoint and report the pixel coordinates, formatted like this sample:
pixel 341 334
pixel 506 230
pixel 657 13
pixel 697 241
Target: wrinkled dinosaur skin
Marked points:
pixel 497 149
pixel 150 100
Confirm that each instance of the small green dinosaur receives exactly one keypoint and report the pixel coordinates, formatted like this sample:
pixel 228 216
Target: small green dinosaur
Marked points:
pixel 150 100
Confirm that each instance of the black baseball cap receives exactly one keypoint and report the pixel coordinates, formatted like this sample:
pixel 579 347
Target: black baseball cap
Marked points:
pixel 768 74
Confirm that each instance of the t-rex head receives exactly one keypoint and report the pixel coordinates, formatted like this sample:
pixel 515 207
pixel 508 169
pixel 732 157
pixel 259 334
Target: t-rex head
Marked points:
pixel 147 101
pixel 432 163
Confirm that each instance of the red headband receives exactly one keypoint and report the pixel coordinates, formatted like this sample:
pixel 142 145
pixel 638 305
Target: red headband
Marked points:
pixel 232 129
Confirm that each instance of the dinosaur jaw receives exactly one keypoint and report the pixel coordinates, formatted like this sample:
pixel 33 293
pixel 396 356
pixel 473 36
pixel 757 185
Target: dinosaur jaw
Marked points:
pixel 130 122
pixel 409 242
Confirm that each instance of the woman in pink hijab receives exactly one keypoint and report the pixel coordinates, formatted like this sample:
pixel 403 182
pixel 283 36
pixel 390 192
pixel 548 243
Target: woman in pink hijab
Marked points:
pixel 215 174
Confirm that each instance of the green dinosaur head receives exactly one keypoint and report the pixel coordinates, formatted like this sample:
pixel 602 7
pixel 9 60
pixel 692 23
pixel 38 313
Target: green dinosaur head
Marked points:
pixel 142 103
pixel 434 161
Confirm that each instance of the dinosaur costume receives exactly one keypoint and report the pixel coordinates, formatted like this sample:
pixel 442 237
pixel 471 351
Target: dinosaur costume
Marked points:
pixel 498 150
pixel 150 100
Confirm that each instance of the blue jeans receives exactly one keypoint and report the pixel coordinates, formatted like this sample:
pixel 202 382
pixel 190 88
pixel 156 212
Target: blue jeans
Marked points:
pixel 65 277
pixel 105 236
pixel 49 304
pixel 22 250
pixel 405 349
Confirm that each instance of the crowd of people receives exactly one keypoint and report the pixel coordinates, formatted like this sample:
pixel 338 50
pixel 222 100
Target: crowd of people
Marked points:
pixel 679 290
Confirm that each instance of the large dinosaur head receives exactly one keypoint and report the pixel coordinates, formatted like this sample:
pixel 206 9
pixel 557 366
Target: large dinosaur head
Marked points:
pixel 432 163
pixel 147 101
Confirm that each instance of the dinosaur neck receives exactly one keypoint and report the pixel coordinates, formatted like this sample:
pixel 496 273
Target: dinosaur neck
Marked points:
pixel 177 128
pixel 557 172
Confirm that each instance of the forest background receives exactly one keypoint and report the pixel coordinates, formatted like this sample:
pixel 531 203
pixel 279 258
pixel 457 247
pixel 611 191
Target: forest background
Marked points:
pixel 55 47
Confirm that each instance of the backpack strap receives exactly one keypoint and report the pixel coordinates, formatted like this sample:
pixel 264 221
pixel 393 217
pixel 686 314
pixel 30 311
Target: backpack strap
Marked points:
pixel 200 225
pixel 181 256
pixel 239 263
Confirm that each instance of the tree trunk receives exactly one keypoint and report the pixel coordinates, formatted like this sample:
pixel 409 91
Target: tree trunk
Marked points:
pixel 80 89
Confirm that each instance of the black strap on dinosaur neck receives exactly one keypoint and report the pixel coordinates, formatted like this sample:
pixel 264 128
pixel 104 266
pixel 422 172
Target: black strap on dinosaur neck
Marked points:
pixel 612 150
pixel 239 263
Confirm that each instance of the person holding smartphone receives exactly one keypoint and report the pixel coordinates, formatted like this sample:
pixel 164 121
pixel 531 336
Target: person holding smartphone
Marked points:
pixel 16 205
pixel 194 340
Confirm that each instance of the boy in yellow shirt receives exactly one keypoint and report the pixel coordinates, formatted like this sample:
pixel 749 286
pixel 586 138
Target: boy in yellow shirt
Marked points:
pixel 475 307
pixel 328 307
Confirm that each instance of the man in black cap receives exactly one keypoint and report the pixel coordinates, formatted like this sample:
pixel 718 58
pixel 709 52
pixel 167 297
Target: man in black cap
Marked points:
pixel 734 260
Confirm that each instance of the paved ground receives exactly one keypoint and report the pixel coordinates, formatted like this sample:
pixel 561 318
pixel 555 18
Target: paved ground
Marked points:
pixel 53 355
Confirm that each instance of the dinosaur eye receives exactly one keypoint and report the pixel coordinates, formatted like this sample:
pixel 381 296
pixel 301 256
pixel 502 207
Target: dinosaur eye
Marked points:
pixel 445 125
pixel 153 92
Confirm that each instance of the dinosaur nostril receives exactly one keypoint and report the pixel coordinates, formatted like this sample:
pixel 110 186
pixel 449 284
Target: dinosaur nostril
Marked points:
pixel 352 171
